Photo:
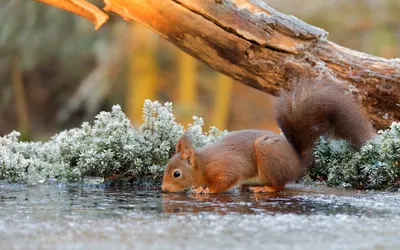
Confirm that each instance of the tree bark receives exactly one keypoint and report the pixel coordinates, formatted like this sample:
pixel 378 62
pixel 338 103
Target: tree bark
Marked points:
pixel 81 8
pixel 258 46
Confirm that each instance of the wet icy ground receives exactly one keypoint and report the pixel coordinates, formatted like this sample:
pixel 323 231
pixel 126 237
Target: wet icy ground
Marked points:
pixel 72 216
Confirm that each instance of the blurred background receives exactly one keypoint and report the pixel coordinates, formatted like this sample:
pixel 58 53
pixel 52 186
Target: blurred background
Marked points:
pixel 56 71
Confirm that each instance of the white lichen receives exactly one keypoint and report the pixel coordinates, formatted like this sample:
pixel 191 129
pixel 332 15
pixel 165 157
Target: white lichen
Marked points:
pixel 112 146
pixel 109 146
pixel 375 166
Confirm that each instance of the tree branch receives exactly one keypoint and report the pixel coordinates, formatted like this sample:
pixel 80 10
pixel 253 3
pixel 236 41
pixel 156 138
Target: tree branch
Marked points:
pixel 81 8
pixel 258 46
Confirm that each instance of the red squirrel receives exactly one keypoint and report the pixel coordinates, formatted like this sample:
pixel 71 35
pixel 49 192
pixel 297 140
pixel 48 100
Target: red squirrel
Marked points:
pixel 263 159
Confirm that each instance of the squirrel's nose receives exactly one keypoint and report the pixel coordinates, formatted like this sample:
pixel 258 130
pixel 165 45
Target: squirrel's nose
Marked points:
pixel 164 189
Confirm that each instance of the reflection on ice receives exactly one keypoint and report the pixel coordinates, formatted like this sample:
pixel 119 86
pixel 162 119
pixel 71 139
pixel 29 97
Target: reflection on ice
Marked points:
pixel 72 216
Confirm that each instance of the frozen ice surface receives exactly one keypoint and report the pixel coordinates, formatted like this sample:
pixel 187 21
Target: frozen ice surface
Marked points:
pixel 74 216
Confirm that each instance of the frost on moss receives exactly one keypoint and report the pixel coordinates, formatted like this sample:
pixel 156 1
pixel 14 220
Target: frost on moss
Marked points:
pixel 109 146
pixel 375 166
pixel 112 146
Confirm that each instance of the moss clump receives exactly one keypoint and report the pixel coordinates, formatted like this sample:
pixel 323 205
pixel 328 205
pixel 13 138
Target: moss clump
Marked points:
pixel 109 146
pixel 112 146
pixel 375 166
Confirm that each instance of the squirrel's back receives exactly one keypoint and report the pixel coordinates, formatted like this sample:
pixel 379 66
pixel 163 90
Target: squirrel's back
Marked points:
pixel 316 108
pixel 234 144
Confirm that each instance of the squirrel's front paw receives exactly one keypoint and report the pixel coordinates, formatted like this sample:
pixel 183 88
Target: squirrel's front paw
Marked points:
pixel 198 190
pixel 201 190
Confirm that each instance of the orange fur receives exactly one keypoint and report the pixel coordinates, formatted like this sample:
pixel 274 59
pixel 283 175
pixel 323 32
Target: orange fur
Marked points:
pixel 264 159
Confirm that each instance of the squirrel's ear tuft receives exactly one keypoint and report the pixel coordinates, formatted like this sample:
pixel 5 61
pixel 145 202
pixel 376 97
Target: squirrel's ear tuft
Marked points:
pixel 184 146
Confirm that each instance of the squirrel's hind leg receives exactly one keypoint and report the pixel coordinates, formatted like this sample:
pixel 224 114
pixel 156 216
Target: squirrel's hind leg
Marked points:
pixel 277 163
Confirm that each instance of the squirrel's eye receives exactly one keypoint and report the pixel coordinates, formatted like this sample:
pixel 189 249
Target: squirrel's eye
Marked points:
pixel 177 173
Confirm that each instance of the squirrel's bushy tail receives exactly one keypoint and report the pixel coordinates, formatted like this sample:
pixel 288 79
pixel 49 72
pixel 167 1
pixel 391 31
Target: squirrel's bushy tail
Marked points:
pixel 316 108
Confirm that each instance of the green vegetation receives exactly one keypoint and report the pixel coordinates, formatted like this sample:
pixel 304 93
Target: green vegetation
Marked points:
pixel 112 146
pixel 375 166
pixel 109 146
